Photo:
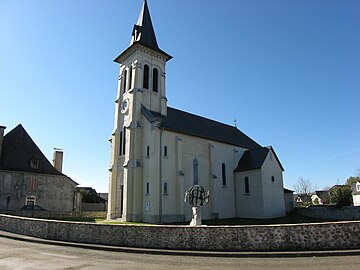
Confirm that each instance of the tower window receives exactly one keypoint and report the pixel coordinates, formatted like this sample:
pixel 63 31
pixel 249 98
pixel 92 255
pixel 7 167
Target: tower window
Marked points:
pixel 165 151
pixel 247 188
pixel 124 141
pixel 124 78
pixel 146 77
pixel 148 151
pixel 121 144
pixel 130 77
pixel 155 79
pixel 196 171
pixel 272 179
pixel 223 174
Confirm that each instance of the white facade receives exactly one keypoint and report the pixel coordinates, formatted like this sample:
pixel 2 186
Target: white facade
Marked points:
pixel 153 164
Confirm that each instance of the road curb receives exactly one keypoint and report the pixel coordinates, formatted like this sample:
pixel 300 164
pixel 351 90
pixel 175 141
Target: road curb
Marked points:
pixel 234 254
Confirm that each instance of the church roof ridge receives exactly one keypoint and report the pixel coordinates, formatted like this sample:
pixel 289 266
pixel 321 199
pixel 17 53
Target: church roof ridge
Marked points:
pixel 199 126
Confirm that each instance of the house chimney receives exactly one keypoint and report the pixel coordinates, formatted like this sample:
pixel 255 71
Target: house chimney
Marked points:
pixel 2 129
pixel 58 159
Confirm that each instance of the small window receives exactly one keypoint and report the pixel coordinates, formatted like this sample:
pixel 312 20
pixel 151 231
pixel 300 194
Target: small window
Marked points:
pixel 148 151
pixel 358 186
pixel 272 179
pixel 165 151
pixel 147 188
pixel 124 78
pixel 155 79
pixel 146 77
pixel 223 174
pixel 247 188
pixel 165 188
pixel 34 164
pixel 30 200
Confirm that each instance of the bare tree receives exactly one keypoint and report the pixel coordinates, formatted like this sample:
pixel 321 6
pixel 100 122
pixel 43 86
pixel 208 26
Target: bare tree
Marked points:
pixel 304 186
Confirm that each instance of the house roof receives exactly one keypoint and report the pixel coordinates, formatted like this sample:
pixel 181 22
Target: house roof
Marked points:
pixel 143 33
pixel 254 158
pixel 19 149
pixel 194 125
pixel 288 190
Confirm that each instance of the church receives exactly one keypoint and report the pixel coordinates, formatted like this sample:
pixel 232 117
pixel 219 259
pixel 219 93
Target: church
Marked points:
pixel 158 152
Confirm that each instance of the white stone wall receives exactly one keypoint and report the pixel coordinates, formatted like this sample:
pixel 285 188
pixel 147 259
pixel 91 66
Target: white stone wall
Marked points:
pixel 273 191
pixel 249 205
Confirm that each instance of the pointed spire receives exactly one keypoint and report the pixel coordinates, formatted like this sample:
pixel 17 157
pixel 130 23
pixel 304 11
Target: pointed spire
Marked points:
pixel 143 31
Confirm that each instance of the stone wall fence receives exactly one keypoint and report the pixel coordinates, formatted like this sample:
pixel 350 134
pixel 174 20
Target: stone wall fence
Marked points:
pixel 331 212
pixel 57 215
pixel 314 236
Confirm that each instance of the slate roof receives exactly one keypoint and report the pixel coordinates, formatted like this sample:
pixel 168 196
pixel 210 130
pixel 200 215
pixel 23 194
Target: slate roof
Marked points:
pixel 194 125
pixel 18 149
pixel 288 190
pixel 143 33
pixel 254 158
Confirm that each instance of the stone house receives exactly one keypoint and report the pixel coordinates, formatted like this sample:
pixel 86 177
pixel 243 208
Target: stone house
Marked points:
pixel 28 178
pixel 158 152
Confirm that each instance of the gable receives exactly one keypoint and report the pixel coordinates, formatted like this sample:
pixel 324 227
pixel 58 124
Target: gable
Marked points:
pixel 254 159
pixel 19 150
pixel 194 125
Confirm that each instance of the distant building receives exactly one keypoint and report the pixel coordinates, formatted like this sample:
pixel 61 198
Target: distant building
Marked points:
pixel 91 200
pixel 158 152
pixel 28 178
pixel 356 193
pixel 289 200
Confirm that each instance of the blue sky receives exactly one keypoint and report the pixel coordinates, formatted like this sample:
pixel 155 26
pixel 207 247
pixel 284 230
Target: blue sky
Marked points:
pixel 287 71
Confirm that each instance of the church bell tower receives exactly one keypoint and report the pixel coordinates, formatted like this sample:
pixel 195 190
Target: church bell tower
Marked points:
pixel 141 83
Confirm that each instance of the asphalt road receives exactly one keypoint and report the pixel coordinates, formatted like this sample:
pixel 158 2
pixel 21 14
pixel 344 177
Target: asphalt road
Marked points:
pixel 16 255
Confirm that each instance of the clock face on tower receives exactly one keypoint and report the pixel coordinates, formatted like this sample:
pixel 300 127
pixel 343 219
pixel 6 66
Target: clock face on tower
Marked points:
pixel 124 107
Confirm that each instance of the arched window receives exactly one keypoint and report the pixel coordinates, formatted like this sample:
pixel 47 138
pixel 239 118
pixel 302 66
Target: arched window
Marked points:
pixel 247 188
pixel 148 151
pixel 196 171
pixel 165 188
pixel 165 151
pixel 223 174
pixel 147 188
pixel 130 77
pixel 124 78
pixel 155 79
pixel 146 77
pixel 121 143
pixel 272 179
pixel 124 141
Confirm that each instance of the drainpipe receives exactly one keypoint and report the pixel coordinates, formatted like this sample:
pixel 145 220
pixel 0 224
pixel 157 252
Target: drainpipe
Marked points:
pixel 160 175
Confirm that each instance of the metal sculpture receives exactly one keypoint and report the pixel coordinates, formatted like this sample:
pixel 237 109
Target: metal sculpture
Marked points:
pixel 196 196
